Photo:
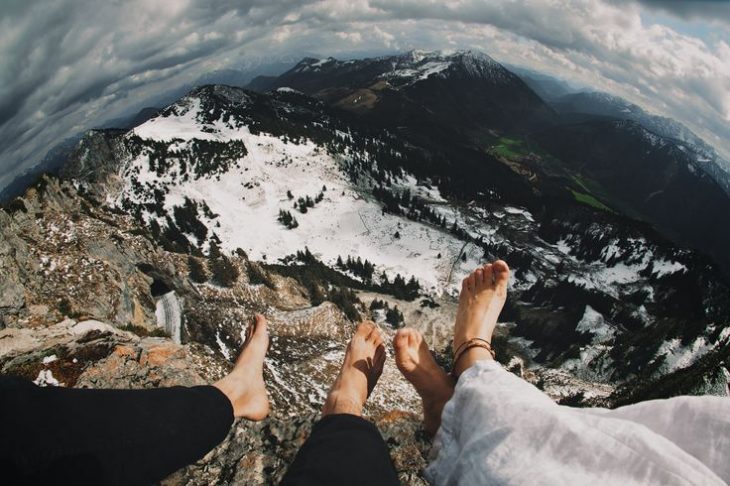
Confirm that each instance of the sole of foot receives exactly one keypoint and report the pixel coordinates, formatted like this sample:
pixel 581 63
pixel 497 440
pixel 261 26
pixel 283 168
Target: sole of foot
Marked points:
pixel 416 363
pixel 361 369
pixel 244 385
pixel 482 297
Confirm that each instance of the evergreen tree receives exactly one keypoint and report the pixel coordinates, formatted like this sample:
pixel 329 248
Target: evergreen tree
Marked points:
pixel 196 270
pixel 287 219
pixel 256 275
pixel 394 317
pixel 346 300
pixel 214 251
pixel 224 272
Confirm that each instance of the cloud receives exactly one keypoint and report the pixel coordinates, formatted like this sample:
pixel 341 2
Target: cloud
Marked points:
pixel 65 65
pixel 708 10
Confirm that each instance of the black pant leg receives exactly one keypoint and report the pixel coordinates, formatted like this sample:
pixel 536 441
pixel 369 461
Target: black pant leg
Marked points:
pixel 342 450
pixel 81 436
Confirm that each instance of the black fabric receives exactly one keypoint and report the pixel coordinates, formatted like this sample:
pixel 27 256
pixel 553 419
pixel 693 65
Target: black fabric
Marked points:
pixel 81 436
pixel 342 450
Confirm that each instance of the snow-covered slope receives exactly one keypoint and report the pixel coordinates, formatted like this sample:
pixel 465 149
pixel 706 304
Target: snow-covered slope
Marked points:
pixel 273 174
pixel 244 201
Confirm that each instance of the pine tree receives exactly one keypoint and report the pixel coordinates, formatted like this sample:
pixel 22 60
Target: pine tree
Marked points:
pixel 394 317
pixel 224 271
pixel 196 270
pixel 214 251
pixel 256 275
pixel 287 219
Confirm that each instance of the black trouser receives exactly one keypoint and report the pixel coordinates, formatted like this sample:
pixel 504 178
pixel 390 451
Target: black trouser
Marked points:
pixel 342 450
pixel 80 436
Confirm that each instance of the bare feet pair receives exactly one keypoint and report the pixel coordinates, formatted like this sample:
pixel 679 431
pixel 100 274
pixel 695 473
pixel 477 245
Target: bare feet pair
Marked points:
pixel 482 297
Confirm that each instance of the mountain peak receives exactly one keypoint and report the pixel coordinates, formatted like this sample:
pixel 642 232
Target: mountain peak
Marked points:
pixel 312 63
pixel 418 65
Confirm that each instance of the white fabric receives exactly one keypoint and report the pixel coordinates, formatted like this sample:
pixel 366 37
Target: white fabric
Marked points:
pixel 499 429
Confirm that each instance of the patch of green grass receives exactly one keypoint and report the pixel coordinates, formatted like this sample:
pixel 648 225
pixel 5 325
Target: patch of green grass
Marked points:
pixel 509 148
pixel 584 198
pixel 582 183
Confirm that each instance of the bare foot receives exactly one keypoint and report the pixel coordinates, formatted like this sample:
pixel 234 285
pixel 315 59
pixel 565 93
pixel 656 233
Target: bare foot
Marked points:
pixel 244 385
pixel 361 368
pixel 482 297
pixel 431 382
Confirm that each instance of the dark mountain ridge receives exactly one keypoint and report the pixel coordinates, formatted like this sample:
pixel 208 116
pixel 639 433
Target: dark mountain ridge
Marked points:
pixel 463 104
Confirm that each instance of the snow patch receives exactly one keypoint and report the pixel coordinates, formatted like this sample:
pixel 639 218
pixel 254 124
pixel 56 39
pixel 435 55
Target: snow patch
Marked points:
pixel 222 346
pixel 594 323
pixel 92 325
pixel 677 356
pixel 46 378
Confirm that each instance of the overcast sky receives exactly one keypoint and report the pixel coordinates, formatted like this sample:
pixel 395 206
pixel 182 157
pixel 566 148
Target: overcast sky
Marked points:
pixel 67 65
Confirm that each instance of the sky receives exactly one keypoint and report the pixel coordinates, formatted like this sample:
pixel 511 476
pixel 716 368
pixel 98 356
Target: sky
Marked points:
pixel 69 65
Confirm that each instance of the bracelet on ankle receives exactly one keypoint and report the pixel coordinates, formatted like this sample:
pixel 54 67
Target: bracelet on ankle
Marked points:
pixel 467 345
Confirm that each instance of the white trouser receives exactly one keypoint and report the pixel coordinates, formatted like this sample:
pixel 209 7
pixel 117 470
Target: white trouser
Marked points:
pixel 499 429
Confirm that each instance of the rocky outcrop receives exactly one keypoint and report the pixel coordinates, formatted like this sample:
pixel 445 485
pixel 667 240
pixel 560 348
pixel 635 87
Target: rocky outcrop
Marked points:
pixel 80 288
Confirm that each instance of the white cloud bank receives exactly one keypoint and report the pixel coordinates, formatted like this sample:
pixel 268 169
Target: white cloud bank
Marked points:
pixel 67 64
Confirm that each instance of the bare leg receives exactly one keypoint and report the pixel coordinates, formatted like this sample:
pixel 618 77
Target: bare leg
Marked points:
pixel 244 385
pixel 482 297
pixel 361 369
pixel 431 382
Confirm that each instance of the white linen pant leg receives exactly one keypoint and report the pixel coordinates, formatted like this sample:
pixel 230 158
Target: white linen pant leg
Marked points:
pixel 499 429
pixel 698 425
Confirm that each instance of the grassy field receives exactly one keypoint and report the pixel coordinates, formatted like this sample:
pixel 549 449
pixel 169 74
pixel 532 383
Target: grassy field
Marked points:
pixel 513 149
pixel 509 148
pixel 584 198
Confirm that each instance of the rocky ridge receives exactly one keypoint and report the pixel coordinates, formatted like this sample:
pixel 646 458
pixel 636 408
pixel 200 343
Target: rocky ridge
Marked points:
pixel 60 330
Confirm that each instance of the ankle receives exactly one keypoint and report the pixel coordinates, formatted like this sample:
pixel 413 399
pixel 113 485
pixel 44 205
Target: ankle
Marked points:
pixel 339 403
pixel 469 357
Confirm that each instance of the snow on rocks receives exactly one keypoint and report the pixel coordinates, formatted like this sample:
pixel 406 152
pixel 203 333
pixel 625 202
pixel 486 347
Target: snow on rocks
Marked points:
pixel 677 356
pixel 594 323
pixel 45 378
pixel 92 325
